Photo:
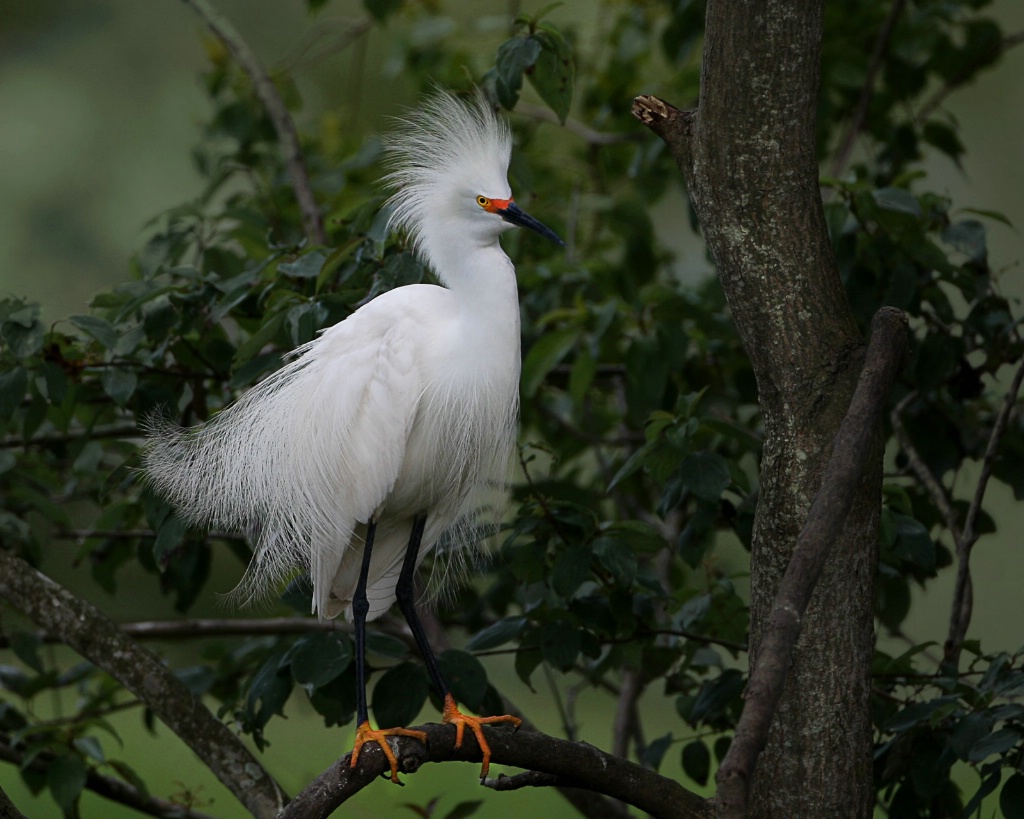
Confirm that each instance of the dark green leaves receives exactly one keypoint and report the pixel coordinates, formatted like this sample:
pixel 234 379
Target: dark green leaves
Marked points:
pixel 399 695
pixel 317 659
pixel 544 56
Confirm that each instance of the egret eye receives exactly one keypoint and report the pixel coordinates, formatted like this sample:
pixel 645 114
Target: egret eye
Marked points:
pixel 483 201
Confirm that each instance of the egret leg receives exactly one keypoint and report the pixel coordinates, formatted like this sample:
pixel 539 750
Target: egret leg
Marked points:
pixel 364 733
pixel 404 592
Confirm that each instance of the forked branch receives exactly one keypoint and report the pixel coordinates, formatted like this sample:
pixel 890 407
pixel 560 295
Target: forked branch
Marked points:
pixel 851 450
pixel 97 638
pixel 312 219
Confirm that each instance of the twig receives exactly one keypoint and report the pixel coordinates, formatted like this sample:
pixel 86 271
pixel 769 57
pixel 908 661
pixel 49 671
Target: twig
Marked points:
pixel 940 95
pixel 851 449
pixel 625 712
pixel 931 484
pixel 50 438
pixel 108 787
pixel 223 29
pixel 963 591
pixel 97 638
pixel 868 91
pixel 580 764
pixel 574 126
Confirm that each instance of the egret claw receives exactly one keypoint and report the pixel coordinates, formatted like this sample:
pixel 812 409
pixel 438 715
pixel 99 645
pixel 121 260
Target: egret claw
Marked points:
pixel 453 716
pixel 364 734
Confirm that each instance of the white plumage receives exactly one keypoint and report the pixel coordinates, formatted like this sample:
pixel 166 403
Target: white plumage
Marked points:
pixel 406 408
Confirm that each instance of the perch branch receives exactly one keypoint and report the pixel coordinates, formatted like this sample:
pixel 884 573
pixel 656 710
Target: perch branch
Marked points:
pixel 850 452
pixel 576 764
pixel 288 137
pixel 93 635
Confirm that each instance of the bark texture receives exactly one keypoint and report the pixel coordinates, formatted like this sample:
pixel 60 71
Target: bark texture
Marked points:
pixel 748 155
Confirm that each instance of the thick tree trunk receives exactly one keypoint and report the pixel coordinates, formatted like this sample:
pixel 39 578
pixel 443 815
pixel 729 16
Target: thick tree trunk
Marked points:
pixel 748 154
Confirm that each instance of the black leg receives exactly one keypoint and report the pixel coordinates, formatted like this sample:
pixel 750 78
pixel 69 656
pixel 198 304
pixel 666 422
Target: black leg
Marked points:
pixel 360 607
pixel 405 594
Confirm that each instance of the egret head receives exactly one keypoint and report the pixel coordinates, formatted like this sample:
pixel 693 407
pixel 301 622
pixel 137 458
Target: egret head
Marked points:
pixel 449 166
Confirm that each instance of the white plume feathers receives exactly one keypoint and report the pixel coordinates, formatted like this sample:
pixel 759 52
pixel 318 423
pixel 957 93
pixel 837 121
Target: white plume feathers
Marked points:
pixel 445 140
pixel 407 407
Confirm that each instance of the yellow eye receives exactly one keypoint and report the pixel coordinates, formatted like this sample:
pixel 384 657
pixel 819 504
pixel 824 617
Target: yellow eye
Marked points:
pixel 483 201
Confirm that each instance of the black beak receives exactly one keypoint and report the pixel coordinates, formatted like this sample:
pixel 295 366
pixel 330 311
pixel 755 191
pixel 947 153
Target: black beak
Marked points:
pixel 515 215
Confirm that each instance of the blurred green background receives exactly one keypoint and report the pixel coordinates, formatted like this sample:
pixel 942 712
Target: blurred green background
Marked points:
pixel 100 106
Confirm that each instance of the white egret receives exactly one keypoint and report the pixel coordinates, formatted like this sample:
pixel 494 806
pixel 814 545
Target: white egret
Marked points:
pixel 395 425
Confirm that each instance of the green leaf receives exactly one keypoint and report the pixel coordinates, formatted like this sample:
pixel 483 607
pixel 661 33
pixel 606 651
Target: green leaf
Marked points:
pixel 553 73
pixel 496 634
pixel 706 474
pixel 546 352
pixel 1011 799
pixel 697 761
pixel 514 57
pixel 618 557
pixel 399 695
pixel 319 658
pixel 560 643
pixel 967 236
pixel 66 778
pixel 119 383
pixel 899 200
pixel 655 752
pixel 26 646
pixel 570 570
pixel 384 645
pixel 170 538
pixel 715 696
pixel 913 543
pixel 527 660
pixel 307 266
pixel 90 746
pixel 466 676
pixel 998 742
pixel 380 10
pixel 13 386
pixel 464 809
pixel 100 329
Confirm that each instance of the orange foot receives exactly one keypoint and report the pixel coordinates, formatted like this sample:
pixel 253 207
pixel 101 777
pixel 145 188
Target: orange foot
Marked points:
pixel 364 734
pixel 453 716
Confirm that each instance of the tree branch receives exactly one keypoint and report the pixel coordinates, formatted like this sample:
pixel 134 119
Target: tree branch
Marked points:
pixel 952 85
pixel 83 627
pixel 113 789
pixel 963 593
pixel 851 451
pixel 222 28
pixel 868 91
pixel 576 764
pixel 8 809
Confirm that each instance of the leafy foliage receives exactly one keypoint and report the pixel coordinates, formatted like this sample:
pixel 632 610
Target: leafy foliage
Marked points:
pixel 641 432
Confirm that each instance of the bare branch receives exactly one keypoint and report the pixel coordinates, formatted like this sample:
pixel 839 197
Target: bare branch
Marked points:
pixel 574 126
pixel 50 438
pixel 93 635
pixel 626 712
pixel 952 85
pixel 312 219
pixel 962 607
pixel 851 450
pixel 113 789
pixel 577 764
pixel 868 90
